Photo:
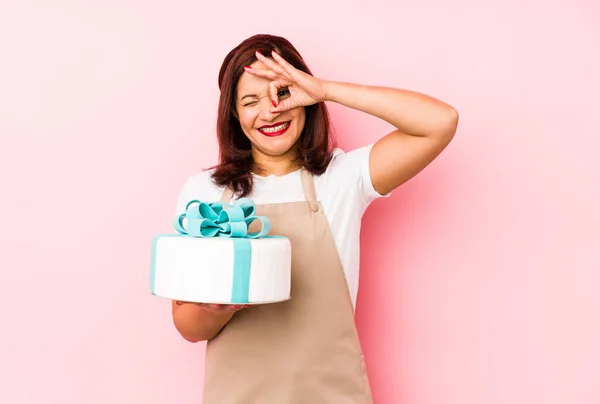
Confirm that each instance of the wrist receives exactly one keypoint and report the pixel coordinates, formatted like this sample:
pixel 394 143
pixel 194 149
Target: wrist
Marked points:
pixel 328 90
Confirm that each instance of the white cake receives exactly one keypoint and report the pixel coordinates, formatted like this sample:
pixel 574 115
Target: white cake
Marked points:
pixel 213 260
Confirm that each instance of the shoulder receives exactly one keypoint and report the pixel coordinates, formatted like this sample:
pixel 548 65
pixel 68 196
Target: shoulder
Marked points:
pixel 199 186
pixel 201 182
pixel 349 165
pixel 348 159
pixel 201 178
pixel 348 173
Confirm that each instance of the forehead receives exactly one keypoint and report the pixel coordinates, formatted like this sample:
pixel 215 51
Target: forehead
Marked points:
pixel 251 84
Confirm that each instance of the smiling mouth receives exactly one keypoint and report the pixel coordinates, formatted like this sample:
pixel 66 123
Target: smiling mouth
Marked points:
pixel 274 130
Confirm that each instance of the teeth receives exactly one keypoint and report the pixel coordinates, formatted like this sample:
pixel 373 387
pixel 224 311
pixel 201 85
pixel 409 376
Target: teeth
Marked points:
pixel 275 129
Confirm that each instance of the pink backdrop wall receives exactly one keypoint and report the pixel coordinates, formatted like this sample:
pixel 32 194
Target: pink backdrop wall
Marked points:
pixel 480 285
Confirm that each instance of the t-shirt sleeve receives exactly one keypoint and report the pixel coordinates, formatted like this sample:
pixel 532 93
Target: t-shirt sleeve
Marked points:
pixel 368 191
pixel 356 162
pixel 349 175
pixel 199 187
pixel 186 194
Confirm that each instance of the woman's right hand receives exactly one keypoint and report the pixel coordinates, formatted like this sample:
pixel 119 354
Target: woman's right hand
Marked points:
pixel 202 321
pixel 216 308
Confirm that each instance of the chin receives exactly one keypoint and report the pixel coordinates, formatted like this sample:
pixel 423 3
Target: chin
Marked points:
pixel 276 152
pixel 277 146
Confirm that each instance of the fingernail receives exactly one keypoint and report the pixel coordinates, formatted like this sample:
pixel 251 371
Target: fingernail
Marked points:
pixel 238 307
pixel 247 67
pixel 247 305
pixel 220 305
pixel 274 103
pixel 259 52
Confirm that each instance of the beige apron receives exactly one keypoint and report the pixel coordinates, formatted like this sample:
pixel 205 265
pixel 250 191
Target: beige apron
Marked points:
pixel 302 351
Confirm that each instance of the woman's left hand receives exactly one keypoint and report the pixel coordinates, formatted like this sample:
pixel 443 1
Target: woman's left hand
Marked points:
pixel 303 88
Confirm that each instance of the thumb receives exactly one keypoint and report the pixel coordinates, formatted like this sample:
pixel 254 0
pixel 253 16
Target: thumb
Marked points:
pixel 283 106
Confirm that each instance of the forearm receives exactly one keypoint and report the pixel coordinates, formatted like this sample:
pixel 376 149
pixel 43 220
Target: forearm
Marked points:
pixel 411 112
pixel 197 324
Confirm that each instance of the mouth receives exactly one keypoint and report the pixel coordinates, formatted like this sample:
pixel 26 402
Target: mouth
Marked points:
pixel 277 129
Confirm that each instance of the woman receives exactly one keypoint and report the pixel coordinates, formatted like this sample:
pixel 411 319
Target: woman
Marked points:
pixel 275 148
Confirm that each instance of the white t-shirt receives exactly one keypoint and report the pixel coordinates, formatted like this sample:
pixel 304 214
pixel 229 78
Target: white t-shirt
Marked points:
pixel 345 191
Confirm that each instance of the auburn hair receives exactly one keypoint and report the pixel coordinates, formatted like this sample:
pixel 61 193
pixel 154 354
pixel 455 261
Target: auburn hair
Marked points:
pixel 235 165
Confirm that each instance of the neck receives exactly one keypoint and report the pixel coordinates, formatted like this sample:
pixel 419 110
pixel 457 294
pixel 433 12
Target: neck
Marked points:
pixel 278 165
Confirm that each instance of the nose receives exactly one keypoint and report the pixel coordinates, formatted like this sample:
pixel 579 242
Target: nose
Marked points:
pixel 265 113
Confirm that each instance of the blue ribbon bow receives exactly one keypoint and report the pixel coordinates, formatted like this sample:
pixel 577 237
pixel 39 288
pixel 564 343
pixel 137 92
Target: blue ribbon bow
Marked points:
pixel 219 219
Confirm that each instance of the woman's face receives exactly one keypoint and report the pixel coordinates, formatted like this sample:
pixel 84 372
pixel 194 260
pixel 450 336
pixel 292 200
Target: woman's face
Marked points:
pixel 271 134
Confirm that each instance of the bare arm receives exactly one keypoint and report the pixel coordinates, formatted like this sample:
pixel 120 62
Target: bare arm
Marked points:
pixel 201 322
pixel 425 126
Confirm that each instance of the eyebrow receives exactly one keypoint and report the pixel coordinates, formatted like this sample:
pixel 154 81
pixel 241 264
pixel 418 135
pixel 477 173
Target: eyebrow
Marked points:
pixel 248 96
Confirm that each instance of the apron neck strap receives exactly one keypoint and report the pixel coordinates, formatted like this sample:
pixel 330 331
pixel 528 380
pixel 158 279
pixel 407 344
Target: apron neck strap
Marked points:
pixel 227 195
pixel 308 185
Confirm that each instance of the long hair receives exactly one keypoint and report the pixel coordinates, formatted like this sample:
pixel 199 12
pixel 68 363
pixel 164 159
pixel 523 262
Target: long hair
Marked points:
pixel 234 169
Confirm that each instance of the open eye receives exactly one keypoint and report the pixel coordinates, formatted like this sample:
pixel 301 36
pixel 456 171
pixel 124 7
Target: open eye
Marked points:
pixel 283 92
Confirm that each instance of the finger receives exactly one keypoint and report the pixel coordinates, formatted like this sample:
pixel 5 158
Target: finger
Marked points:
pixel 274 66
pixel 268 74
pixel 283 106
pixel 232 308
pixel 221 307
pixel 290 70
pixel 274 87
pixel 216 307
pixel 182 302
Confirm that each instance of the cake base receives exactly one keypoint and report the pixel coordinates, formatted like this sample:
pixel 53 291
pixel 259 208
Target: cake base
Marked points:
pixel 221 270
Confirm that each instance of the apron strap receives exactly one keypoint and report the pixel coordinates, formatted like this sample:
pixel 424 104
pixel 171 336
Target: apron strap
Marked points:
pixel 308 185
pixel 227 195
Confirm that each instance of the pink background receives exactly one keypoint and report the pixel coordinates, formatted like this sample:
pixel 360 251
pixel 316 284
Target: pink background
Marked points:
pixel 480 277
